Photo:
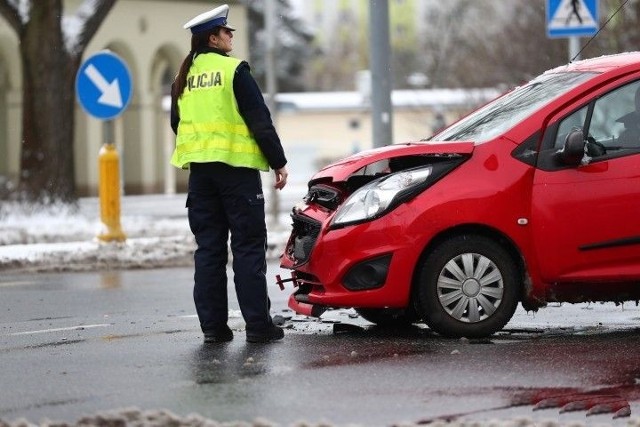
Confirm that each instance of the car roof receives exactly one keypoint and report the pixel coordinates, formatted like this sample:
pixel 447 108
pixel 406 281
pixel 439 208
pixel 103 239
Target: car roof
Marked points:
pixel 602 64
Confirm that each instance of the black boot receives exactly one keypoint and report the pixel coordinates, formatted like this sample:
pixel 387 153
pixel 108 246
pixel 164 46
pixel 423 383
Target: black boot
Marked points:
pixel 223 334
pixel 270 333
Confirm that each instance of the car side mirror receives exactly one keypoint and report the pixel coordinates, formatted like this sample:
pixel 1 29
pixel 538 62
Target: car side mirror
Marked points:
pixel 573 150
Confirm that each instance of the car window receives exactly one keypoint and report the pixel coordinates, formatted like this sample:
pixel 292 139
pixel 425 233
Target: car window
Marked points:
pixel 614 123
pixel 573 121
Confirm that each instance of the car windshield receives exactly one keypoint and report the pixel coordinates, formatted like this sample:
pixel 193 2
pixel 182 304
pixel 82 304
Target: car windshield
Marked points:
pixel 505 112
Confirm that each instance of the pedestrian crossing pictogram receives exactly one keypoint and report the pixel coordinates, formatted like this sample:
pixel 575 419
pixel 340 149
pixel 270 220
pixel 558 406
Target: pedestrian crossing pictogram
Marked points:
pixel 572 18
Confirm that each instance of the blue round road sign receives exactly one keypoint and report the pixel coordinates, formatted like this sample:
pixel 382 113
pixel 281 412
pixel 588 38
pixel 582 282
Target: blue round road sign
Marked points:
pixel 103 85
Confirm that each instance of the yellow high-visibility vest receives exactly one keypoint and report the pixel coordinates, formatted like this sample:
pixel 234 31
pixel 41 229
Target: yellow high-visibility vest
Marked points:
pixel 211 128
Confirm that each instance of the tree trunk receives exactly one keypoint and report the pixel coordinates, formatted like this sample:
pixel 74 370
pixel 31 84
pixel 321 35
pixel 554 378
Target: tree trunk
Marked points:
pixel 47 157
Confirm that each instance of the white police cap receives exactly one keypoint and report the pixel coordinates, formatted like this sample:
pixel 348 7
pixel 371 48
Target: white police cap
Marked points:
pixel 209 20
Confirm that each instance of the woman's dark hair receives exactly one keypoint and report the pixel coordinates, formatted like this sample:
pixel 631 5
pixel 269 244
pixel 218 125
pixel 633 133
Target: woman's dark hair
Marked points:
pixel 198 41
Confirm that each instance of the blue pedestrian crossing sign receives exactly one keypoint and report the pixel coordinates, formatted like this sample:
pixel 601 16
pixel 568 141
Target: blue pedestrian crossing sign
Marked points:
pixel 103 85
pixel 572 18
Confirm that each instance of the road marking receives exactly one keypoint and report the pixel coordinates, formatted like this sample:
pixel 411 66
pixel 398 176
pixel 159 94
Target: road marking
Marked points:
pixel 17 283
pixel 70 328
pixel 233 314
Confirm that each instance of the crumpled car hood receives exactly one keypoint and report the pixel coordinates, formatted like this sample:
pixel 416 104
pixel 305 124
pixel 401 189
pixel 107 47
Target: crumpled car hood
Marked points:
pixel 344 168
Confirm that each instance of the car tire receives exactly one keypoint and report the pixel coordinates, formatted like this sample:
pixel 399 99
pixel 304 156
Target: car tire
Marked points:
pixel 468 286
pixel 388 317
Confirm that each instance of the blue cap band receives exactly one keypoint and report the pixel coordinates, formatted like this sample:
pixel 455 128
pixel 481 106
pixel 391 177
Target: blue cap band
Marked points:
pixel 210 25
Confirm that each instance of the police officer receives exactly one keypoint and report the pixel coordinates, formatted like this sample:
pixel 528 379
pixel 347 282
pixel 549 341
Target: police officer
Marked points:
pixel 225 136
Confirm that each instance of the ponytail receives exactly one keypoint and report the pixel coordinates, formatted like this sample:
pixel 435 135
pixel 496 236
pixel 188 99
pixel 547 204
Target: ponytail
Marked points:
pixel 198 41
pixel 181 78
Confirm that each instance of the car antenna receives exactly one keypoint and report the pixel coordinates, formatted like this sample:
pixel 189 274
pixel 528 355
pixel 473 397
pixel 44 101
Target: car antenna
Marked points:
pixel 599 29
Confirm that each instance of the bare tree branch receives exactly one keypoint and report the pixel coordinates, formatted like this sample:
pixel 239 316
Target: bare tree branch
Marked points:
pixel 92 13
pixel 12 15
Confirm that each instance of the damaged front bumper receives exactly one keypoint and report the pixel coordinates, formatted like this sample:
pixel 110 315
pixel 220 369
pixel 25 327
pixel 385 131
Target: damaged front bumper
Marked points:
pixel 299 300
pixel 357 266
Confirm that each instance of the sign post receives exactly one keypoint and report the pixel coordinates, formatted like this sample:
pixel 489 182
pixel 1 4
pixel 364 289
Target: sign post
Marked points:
pixel 572 19
pixel 103 87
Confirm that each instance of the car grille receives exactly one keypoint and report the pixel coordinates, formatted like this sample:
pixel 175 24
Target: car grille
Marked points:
pixel 304 235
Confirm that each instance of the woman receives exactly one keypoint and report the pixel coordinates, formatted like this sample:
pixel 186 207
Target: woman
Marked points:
pixel 225 136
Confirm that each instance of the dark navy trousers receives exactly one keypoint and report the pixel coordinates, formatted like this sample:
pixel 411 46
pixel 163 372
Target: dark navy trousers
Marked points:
pixel 225 200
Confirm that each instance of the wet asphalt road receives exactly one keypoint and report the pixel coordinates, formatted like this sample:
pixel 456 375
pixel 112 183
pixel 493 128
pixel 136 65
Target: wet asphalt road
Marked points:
pixel 75 344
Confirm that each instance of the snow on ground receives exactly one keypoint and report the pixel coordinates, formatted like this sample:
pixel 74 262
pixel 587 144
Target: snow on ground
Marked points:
pixel 63 238
pixel 133 417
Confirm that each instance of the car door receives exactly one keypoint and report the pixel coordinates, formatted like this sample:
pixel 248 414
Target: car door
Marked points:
pixel 586 219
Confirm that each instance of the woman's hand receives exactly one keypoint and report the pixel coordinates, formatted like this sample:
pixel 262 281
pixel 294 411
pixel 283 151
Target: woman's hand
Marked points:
pixel 281 177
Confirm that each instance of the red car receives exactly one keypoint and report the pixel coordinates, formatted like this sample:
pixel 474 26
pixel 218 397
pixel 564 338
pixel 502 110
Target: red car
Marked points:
pixel 535 197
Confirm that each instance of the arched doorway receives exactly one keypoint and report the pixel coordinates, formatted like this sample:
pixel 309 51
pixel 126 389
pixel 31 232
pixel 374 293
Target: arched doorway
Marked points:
pixel 163 71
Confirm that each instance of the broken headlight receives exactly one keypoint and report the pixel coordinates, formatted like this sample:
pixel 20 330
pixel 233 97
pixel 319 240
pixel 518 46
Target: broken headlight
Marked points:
pixel 381 195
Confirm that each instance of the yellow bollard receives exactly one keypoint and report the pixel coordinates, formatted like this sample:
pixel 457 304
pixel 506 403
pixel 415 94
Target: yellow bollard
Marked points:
pixel 109 188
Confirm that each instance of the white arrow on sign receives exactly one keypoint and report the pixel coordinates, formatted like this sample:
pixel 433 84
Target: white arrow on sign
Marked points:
pixel 110 91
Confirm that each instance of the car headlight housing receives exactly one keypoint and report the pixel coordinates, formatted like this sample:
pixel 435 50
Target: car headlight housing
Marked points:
pixel 380 196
